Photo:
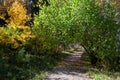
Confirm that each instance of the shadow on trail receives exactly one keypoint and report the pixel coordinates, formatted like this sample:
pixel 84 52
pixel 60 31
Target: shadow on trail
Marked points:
pixel 73 67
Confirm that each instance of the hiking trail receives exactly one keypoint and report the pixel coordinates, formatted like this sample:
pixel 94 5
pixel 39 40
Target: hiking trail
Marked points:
pixel 73 67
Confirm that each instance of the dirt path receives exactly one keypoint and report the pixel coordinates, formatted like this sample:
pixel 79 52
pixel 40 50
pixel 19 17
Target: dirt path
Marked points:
pixel 71 68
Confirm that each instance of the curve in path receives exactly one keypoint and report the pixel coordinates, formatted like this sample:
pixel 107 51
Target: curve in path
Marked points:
pixel 71 68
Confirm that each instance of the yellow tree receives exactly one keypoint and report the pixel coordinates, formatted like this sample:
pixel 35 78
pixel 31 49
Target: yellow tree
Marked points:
pixel 17 33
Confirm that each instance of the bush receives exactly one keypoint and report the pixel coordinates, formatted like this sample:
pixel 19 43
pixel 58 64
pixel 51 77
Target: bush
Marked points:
pixel 61 23
pixel 91 23
pixel 56 25
pixel 17 14
pixel 100 33
pixel 13 38
pixel 16 33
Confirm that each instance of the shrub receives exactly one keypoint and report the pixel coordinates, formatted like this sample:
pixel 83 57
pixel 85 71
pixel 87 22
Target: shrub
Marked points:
pixel 57 24
pixel 16 33
pixel 17 13
pixel 100 32
pixel 91 23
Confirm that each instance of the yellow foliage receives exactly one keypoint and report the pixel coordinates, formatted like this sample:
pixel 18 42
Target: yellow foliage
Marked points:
pixel 17 13
pixel 17 33
pixel 2 16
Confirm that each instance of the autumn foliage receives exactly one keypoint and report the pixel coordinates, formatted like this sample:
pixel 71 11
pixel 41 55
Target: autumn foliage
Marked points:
pixel 16 33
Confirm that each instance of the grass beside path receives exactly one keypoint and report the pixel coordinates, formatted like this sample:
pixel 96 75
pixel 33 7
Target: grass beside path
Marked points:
pixel 98 74
pixel 31 67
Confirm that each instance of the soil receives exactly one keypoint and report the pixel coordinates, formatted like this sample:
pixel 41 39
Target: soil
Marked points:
pixel 73 67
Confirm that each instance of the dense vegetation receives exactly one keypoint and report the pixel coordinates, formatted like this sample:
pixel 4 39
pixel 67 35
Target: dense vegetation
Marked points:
pixel 55 25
